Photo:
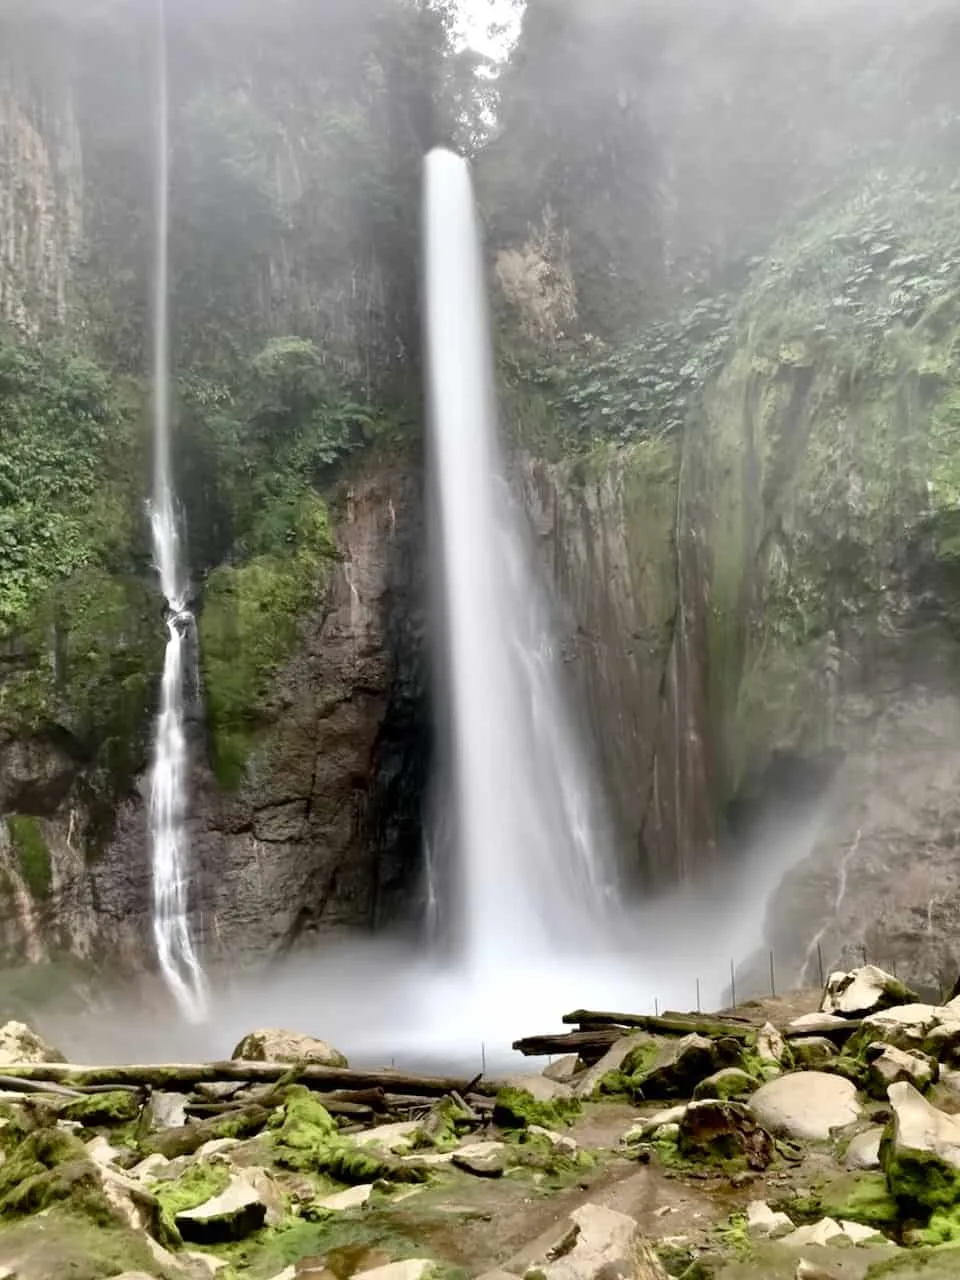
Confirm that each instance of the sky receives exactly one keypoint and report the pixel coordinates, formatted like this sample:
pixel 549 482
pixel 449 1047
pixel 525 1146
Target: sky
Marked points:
pixel 477 16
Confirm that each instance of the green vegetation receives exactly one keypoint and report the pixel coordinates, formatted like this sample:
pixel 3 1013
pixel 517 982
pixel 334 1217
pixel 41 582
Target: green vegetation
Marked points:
pixel 516 1109
pixel 48 1167
pixel 199 1183
pixel 33 853
pixel 861 1197
pixel 118 1107
pixel 305 1138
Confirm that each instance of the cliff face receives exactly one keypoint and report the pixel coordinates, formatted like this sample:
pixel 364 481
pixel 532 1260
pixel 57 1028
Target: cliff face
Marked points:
pixel 744 489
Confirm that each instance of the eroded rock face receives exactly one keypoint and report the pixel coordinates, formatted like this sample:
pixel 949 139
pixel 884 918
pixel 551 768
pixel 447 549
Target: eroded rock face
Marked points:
pixel 323 832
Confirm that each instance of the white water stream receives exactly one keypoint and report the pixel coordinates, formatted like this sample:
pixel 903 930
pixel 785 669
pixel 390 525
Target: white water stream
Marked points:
pixel 533 875
pixel 176 953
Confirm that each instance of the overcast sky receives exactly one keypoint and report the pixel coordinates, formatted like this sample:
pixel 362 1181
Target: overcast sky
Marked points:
pixel 477 18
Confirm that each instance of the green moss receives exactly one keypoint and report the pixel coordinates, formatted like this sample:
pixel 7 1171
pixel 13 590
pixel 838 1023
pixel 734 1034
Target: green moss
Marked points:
pixel 47 1167
pixel 443 1127
pixel 248 627
pixel 119 1107
pixel 515 1109
pixel 862 1197
pixel 198 1184
pixel 736 1237
pixel 33 853
pixel 305 1137
pixel 725 1085
pixel 920 1180
pixel 932 1264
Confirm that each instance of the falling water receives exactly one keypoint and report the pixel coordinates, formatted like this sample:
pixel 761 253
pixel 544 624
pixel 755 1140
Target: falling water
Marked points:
pixel 533 875
pixel 168 780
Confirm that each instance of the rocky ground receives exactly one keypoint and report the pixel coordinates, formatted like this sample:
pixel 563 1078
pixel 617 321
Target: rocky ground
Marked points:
pixel 788 1142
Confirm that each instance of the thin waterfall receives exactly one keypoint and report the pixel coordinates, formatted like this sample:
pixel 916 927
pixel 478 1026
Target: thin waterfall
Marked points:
pixel 533 867
pixel 169 846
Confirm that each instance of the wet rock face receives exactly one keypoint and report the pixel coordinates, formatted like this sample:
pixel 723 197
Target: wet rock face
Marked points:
pixel 324 830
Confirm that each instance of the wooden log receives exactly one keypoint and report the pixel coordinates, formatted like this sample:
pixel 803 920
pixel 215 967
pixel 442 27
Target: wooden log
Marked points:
pixel 668 1024
pixel 590 1045
pixel 185 1076
pixel 16 1084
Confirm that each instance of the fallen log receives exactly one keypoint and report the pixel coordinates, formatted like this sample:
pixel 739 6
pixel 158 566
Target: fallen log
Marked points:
pixel 668 1024
pixel 590 1045
pixel 184 1076
pixel 18 1084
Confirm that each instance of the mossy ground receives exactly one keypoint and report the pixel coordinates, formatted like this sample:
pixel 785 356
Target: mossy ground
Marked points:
pixel 516 1109
pixel 198 1184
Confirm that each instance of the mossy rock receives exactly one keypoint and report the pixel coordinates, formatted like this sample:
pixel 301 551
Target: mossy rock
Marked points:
pixel 730 1082
pixel 515 1109
pixel 184 1141
pixel 103 1110
pixel 199 1183
pixel 49 1167
pixel 305 1138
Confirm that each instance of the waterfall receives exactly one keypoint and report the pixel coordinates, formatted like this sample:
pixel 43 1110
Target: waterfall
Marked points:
pixel 176 953
pixel 533 874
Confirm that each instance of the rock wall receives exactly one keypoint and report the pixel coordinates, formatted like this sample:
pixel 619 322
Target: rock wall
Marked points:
pixel 322 833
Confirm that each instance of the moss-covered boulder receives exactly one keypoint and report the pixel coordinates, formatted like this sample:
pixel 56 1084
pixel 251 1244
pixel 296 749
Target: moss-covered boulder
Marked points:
pixel 724 1134
pixel 812 1051
pixel 729 1082
pixel 305 1138
pixel 101 1110
pixel 517 1108
pixel 677 1068
pixel 920 1152
pixel 48 1167
pixel 889 1065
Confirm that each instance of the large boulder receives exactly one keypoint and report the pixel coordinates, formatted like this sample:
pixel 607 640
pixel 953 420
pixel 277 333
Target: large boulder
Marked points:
pixel 926 1028
pixel 18 1044
pixel 596 1243
pixel 635 1045
pixel 679 1067
pixel 272 1045
pixel 920 1152
pixel 806 1104
pixel 719 1132
pixel 812 1051
pixel 864 991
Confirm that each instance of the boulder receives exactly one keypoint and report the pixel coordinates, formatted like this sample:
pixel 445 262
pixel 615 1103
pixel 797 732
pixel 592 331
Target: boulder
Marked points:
pixel 586 1084
pixel 863 991
pixel 19 1044
pixel 771 1046
pixel 650 1124
pixel 890 1065
pixel 390 1138
pixel 273 1045
pixel 234 1213
pixel 719 1132
pixel 921 1155
pixel 863 1151
pixel 561 1142
pixel 827 1232
pixel 482 1164
pixel 563 1070
pixel 729 1082
pixel 812 1051
pixel 821 1024
pixel 763 1223
pixel 927 1028
pixel 678 1068
pixel 352 1198
pixel 167 1110
pixel 806 1104
pixel 597 1243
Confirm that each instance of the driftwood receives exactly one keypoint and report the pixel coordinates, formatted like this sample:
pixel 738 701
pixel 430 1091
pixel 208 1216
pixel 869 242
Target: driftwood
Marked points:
pixel 17 1084
pixel 184 1076
pixel 668 1024
pixel 590 1045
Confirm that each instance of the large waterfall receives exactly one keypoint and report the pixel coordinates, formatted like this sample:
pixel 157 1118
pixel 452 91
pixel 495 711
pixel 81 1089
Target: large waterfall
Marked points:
pixel 168 779
pixel 533 874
